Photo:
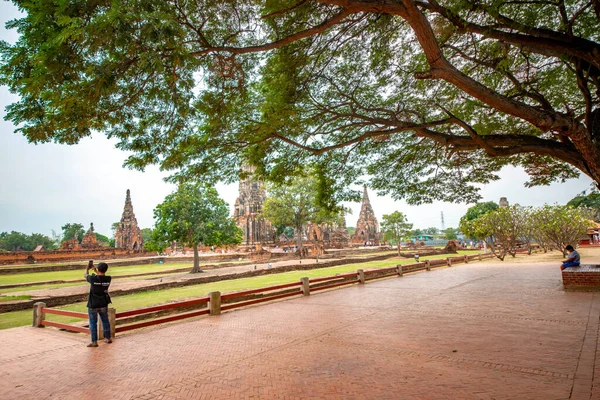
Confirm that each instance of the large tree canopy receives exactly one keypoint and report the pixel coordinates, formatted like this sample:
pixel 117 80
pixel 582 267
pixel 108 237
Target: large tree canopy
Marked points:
pixel 429 98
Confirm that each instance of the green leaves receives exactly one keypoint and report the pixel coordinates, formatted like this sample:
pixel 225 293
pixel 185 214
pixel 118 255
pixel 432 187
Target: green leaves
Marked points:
pixel 395 227
pixel 286 86
pixel 296 202
pixel 195 214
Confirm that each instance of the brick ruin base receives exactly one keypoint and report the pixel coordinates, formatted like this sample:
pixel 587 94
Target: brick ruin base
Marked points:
pixel 583 278
pixel 103 253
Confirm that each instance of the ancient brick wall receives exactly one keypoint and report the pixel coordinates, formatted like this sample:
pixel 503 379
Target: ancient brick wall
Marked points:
pixel 31 257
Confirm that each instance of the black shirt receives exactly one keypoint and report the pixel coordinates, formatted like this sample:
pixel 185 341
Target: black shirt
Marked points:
pixel 98 291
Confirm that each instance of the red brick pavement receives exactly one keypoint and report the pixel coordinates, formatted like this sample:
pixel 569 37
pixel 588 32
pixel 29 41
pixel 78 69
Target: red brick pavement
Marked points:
pixel 475 331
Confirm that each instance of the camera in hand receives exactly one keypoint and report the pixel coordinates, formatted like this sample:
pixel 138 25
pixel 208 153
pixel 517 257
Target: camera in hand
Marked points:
pixel 91 263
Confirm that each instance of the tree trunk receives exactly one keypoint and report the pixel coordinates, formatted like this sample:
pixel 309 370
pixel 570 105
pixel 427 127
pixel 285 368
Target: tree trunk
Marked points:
pixel 196 261
pixel 299 239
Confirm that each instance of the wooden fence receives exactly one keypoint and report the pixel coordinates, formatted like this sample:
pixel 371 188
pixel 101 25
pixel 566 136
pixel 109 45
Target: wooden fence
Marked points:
pixel 216 302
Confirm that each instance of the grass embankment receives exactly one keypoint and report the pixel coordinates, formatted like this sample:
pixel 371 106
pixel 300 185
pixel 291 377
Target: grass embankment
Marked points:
pixel 36 277
pixel 14 298
pixel 151 298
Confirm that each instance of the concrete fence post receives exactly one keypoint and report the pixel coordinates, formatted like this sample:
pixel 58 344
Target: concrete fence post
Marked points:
pixel 400 272
pixel 428 265
pixel 305 286
pixel 449 261
pixel 361 276
pixel 480 257
pixel 214 303
pixel 466 259
pixel 38 315
pixel 112 319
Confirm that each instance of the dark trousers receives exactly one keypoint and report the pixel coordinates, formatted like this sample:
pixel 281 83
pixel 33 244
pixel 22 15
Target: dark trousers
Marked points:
pixel 93 313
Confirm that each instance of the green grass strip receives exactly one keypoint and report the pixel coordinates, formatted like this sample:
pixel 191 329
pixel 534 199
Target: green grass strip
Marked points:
pixel 156 297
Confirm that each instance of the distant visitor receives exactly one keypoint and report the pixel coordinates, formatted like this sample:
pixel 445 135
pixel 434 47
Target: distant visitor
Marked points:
pixel 572 260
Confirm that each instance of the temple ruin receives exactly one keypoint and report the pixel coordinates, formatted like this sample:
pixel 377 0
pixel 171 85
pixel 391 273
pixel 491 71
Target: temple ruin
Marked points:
pixel 334 235
pixel 128 235
pixel 89 240
pixel 248 207
pixel 367 228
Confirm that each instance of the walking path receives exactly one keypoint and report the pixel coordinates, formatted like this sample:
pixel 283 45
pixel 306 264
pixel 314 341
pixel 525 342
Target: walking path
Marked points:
pixel 475 331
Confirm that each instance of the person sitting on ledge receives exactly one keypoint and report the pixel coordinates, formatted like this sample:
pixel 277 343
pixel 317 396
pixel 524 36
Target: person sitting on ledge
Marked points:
pixel 572 260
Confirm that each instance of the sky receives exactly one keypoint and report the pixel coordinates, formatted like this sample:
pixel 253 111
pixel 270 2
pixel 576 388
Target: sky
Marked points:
pixel 43 187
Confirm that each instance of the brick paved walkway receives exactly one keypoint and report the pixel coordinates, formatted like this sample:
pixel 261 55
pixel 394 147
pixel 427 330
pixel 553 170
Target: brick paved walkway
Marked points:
pixel 475 331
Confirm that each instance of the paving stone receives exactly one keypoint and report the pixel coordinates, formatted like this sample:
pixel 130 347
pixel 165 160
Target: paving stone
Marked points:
pixel 474 331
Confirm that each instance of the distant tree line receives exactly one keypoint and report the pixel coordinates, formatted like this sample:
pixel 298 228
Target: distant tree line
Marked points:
pixel 17 241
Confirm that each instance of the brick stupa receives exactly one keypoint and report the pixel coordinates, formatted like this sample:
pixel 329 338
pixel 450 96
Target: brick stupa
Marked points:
pixel 367 228
pixel 128 235
pixel 89 240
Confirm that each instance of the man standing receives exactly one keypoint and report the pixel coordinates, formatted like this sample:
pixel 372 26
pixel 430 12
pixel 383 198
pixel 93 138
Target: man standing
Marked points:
pixel 98 301
pixel 572 260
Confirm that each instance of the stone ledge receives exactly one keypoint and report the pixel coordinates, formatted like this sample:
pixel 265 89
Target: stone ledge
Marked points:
pixel 586 277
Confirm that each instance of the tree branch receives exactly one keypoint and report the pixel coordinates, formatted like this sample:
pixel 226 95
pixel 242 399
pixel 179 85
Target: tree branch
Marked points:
pixel 337 18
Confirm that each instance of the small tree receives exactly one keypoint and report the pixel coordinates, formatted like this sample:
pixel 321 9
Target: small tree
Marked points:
pixel 72 230
pixel 396 227
pixel 146 234
pixel 475 212
pixel 104 239
pixel 590 201
pixel 195 214
pixel 113 227
pixel 295 204
pixel 501 229
pixel 451 233
pixel 431 231
pixel 561 225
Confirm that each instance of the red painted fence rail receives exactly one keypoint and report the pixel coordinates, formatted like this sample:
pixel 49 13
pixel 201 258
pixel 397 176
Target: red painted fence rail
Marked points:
pixel 211 305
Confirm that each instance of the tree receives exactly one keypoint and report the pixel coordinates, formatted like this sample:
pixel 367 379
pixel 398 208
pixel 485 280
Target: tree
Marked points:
pixel 14 241
pixel 295 203
pixel 396 227
pixel 475 212
pixel 104 239
pixel 146 234
pixel 113 227
pixel 561 225
pixel 451 233
pixel 195 214
pixel 443 92
pixel 431 231
pixel 72 230
pixel 590 201
pixel 501 229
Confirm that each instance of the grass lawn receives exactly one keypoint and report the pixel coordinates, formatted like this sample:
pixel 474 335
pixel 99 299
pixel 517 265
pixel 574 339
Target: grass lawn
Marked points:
pixel 34 277
pixel 150 298
pixel 13 298
pixel 78 283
